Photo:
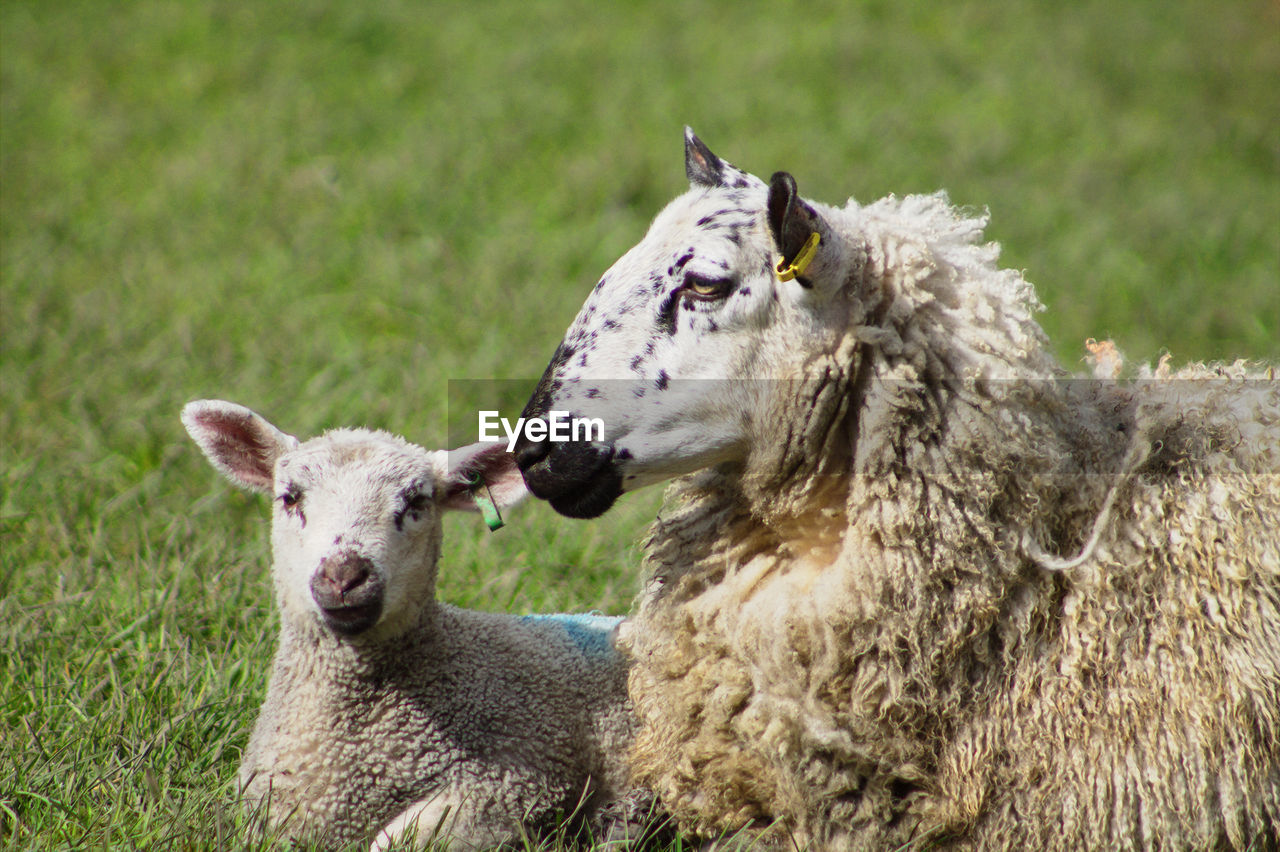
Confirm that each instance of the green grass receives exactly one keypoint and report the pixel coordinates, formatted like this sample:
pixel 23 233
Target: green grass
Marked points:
pixel 327 211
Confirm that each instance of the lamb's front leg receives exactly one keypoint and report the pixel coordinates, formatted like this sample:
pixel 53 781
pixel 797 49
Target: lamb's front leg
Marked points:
pixel 443 818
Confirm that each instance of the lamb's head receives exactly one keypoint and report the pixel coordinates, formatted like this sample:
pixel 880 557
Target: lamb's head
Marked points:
pixel 356 527
pixel 680 339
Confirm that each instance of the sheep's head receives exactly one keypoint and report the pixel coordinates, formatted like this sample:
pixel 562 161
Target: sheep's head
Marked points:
pixel 356 527
pixel 682 338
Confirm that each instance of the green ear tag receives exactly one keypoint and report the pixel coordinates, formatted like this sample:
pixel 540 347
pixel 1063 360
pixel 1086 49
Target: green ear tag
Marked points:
pixel 484 502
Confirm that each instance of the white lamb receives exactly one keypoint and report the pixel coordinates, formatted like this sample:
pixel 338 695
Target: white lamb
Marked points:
pixel 389 714
pixel 922 589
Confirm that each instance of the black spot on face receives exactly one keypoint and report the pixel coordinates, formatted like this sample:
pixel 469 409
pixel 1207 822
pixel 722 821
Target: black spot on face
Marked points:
pixel 661 383
pixel 550 383
pixel 711 217
pixel 623 455
pixel 593 393
pixel 667 313
pixel 636 362
pixel 610 324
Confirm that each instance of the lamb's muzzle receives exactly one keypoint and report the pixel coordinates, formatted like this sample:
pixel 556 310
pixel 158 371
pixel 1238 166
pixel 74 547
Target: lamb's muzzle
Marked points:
pixel 348 589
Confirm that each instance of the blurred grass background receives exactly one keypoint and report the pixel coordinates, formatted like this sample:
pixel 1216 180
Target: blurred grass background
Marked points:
pixel 327 211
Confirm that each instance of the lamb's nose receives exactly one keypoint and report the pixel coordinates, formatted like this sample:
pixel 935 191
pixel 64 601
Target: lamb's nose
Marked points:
pixel 348 589
pixel 343 573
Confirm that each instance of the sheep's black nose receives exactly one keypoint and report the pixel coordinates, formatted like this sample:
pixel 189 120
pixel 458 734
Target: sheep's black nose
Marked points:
pixel 528 453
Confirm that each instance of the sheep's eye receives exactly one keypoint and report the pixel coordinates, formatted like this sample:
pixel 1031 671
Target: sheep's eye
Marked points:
pixel 707 288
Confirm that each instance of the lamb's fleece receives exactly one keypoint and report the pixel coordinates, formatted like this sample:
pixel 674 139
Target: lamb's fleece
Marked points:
pixel 508 718
pixel 973 603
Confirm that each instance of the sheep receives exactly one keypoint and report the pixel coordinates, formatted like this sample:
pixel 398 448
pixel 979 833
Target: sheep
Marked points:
pixel 916 586
pixel 391 715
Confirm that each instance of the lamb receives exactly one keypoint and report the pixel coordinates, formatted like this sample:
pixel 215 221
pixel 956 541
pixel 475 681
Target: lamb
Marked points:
pixel 389 713
pixel 921 588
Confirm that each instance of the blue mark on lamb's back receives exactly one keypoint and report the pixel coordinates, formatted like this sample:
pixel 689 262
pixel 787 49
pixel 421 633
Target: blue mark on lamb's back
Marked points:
pixel 590 632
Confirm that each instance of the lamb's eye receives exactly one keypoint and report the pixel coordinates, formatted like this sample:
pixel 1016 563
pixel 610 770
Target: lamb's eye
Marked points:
pixel 415 503
pixel 707 288
pixel 291 500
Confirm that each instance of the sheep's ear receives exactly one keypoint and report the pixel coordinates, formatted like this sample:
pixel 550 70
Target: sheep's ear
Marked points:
pixel 701 166
pixel 793 223
pixel 239 443
pixel 485 468
pixel 705 169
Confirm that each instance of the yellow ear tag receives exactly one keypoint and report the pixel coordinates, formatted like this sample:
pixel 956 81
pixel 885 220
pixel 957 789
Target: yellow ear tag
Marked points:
pixel 801 263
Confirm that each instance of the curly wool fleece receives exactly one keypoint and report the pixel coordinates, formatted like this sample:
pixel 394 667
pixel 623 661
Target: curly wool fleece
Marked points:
pixel 971 602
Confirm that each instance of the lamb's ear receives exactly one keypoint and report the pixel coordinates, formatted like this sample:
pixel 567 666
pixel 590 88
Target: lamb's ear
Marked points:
pixel 239 443
pixel 485 468
pixel 793 223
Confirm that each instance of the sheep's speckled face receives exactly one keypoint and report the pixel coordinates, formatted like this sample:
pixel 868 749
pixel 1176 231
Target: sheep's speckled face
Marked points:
pixel 673 347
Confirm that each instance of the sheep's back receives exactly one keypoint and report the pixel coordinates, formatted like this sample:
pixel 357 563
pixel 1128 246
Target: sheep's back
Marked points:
pixel 933 680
